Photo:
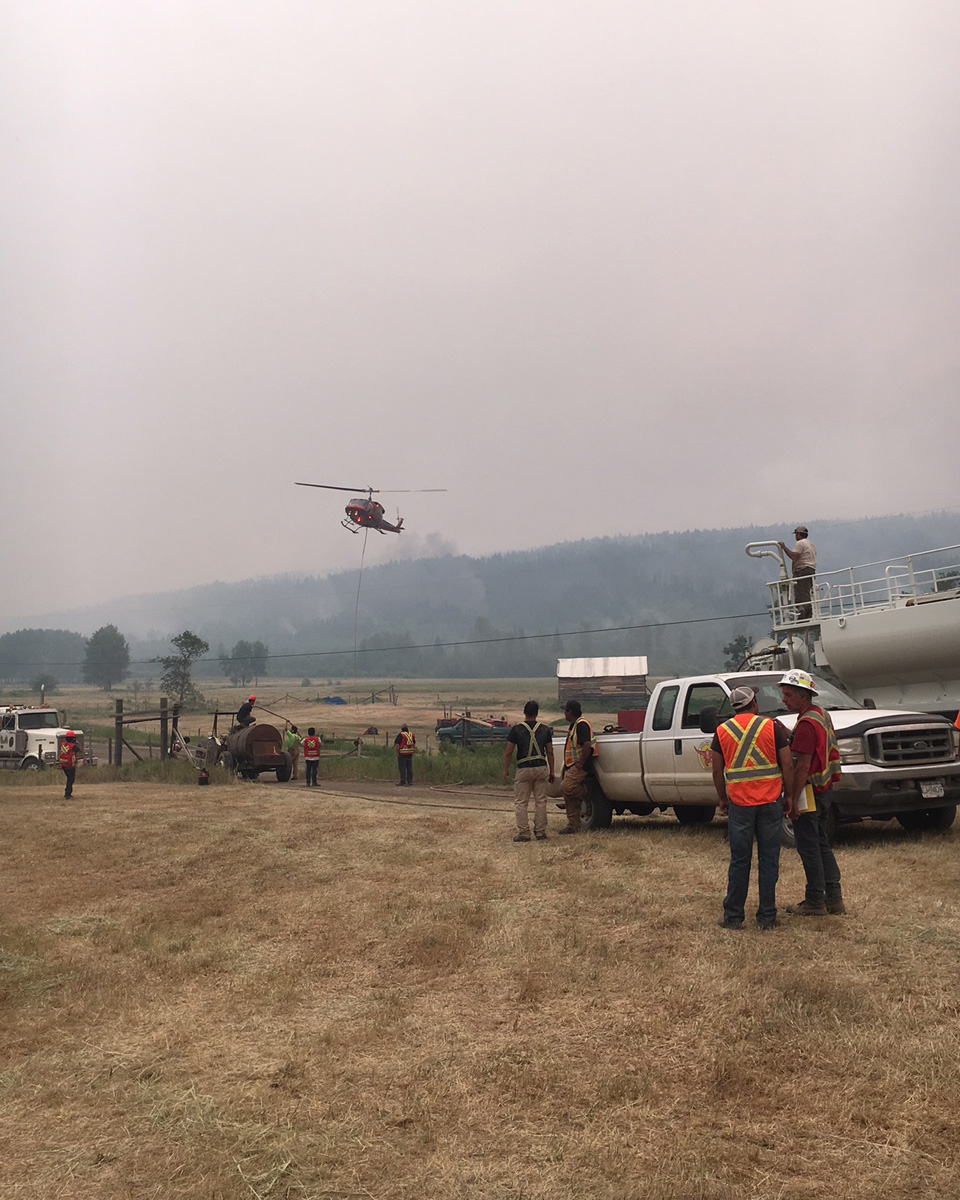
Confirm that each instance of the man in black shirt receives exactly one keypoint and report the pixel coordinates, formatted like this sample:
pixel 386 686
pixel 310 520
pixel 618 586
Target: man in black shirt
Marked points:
pixel 245 715
pixel 534 746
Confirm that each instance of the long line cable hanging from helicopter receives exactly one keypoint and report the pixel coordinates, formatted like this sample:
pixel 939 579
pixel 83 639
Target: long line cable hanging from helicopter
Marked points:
pixel 356 611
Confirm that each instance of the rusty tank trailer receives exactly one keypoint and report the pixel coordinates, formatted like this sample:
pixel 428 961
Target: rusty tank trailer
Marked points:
pixel 255 749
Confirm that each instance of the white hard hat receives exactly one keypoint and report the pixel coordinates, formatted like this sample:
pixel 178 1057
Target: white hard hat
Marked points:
pixel 799 679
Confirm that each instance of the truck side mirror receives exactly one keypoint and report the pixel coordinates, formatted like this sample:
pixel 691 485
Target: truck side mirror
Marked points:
pixel 868 703
pixel 709 719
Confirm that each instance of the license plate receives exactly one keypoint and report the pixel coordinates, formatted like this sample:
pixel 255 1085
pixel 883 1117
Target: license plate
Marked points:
pixel 932 790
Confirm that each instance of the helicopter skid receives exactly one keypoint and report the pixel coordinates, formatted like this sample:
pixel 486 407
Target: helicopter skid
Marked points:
pixel 352 526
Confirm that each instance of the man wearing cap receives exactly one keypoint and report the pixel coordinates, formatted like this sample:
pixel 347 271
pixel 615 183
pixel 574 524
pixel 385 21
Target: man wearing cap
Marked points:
pixel 245 715
pixel 534 746
pixel 752 768
pixel 804 559
pixel 578 754
pixel 405 743
pixel 816 768
pixel 67 758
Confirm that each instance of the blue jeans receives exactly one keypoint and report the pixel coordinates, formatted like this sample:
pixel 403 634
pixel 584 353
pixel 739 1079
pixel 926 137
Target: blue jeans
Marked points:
pixel 763 822
pixel 816 854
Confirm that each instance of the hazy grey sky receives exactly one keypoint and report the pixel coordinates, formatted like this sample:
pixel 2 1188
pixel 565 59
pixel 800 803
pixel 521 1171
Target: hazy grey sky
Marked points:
pixel 605 267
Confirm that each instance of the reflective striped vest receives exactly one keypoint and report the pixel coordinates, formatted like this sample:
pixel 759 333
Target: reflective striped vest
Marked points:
pixel 67 756
pixel 311 747
pixel 534 757
pixel 407 742
pixel 750 766
pixel 571 751
pixel 830 772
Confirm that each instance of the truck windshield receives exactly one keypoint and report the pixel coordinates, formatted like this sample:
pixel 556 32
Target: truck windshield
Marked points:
pixel 770 700
pixel 39 720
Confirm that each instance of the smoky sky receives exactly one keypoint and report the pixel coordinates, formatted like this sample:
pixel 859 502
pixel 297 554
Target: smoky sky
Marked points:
pixel 593 267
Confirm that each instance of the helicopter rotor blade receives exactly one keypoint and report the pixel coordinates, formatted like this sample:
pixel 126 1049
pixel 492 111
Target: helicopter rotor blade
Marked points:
pixel 333 487
pixel 408 491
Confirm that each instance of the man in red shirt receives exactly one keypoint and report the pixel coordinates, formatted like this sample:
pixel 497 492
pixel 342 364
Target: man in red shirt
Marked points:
pixel 311 756
pixel 67 758
pixel 816 767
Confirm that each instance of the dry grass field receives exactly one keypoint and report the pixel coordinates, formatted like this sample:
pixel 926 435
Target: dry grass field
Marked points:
pixel 419 703
pixel 256 991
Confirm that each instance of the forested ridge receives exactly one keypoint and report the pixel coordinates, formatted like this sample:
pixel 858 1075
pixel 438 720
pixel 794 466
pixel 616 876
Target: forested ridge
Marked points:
pixel 672 583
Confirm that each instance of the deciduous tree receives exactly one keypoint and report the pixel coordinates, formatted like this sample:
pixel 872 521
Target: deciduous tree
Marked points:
pixel 176 679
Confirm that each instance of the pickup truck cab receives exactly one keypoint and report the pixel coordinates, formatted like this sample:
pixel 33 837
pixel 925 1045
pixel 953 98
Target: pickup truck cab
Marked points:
pixel 895 764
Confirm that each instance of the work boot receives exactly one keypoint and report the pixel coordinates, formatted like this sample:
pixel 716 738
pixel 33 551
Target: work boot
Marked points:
pixel 541 837
pixel 836 908
pixel 725 924
pixel 569 829
pixel 806 909
pixel 522 837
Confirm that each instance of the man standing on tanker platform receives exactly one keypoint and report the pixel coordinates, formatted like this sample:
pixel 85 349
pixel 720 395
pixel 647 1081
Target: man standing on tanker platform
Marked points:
pixel 534 745
pixel 804 559
pixel 578 752
pixel 752 769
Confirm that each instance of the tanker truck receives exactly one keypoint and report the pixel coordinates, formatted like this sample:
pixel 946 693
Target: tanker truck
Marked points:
pixel 887 632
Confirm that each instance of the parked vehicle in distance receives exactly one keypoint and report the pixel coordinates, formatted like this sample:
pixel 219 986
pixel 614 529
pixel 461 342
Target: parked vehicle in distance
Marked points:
pixel 30 738
pixel 894 764
pixel 468 731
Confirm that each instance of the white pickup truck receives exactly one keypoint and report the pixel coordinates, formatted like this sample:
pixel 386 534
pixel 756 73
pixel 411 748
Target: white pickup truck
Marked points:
pixel 895 764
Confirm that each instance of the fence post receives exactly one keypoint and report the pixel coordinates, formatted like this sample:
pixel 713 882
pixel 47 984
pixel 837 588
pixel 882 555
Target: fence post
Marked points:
pixel 163 729
pixel 118 732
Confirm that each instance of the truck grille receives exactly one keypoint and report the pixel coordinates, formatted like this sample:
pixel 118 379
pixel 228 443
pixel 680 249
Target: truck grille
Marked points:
pixel 908 745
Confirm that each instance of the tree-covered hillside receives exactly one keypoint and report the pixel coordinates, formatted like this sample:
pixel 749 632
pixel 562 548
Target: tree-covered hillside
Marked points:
pixel 673 585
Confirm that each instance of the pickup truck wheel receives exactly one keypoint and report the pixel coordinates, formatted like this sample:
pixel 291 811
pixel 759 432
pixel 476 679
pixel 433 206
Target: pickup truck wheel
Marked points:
pixel 788 835
pixel 694 814
pixel 596 811
pixel 929 820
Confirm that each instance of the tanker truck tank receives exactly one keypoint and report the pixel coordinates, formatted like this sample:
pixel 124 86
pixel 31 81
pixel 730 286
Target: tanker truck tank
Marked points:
pixel 888 632
pixel 257 748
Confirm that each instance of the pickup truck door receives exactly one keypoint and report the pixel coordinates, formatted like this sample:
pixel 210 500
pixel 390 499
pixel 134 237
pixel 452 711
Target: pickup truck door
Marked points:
pixel 691 758
pixel 657 746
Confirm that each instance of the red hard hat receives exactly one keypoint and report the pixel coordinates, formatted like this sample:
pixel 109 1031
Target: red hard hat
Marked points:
pixel 250 699
pixel 69 734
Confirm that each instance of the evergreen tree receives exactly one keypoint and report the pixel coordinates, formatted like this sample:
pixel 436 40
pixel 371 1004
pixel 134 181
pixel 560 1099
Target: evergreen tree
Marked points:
pixel 107 658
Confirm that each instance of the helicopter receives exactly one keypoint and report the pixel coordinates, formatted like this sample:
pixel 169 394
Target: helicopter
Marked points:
pixel 367 513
